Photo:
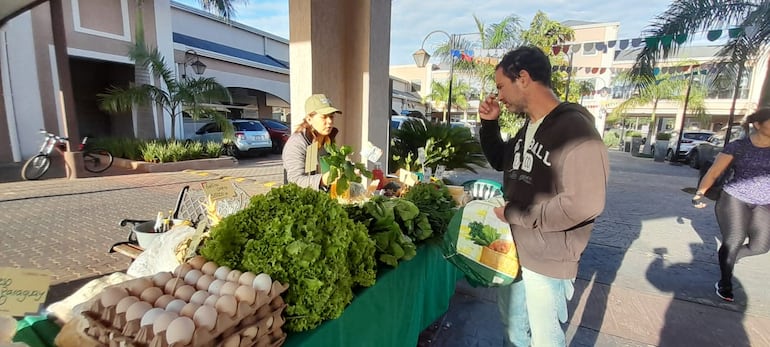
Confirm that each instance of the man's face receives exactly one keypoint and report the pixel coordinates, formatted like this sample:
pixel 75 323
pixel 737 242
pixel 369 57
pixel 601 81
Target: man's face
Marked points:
pixel 509 92
pixel 321 123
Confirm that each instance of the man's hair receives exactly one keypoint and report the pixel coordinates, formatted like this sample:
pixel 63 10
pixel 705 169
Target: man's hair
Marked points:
pixel 528 58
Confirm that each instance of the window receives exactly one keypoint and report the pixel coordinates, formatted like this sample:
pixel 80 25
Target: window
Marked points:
pixel 248 126
pixel 274 124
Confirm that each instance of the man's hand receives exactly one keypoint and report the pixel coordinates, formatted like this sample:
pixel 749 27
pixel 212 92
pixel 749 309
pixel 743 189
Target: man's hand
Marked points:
pixel 697 200
pixel 490 108
pixel 500 213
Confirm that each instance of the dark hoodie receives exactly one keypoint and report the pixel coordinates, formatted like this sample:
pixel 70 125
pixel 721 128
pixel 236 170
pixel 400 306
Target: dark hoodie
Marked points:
pixel 556 189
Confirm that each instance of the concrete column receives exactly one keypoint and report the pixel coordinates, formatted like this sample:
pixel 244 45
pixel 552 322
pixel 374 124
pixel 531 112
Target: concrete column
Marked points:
pixel 341 48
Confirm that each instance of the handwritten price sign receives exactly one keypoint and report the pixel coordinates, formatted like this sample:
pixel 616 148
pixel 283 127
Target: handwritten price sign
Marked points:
pixel 22 291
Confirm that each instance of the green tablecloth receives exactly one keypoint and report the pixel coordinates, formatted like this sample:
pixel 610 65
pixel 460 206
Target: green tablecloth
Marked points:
pixel 403 302
pixel 393 312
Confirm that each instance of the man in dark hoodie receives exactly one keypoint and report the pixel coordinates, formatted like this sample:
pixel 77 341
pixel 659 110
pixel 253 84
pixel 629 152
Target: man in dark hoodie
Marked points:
pixel 555 174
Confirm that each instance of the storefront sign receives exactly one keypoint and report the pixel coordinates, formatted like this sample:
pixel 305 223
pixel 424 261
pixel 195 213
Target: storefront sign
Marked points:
pixel 218 190
pixel 22 291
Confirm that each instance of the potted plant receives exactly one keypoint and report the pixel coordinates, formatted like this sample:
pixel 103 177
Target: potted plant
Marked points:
pixel 661 145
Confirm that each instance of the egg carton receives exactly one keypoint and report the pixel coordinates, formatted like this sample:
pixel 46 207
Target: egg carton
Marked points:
pixel 266 331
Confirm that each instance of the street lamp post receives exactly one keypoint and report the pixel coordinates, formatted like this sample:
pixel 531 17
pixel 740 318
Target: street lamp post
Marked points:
pixel 191 58
pixel 421 58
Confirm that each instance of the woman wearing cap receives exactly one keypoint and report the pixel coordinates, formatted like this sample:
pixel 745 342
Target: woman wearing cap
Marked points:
pixel 743 208
pixel 317 130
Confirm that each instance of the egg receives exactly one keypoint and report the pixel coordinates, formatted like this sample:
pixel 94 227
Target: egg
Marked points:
pixel 199 297
pixel 211 300
pixel 137 286
pixel 189 310
pixel 204 282
pixel 124 303
pixel 182 270
pixel 247 278
pixel 192 276
pixel 161 278
pixel 111 296
pixel 149 317
pixel 175 305
pixel 233 276
pixel 262 282
pixel 246 294
pixel 216 286
pixel 137 310
pixel 151 294
pixel 227 305
pixel 250 332
pixel 222 272
pixel 209 268
pixel 197 262
pixel 172 285
pixel 163 301
pixel 180 331
pixel 184 292
pixel 205 317
pixel 233 340
pixel 228 288
pixel 162 321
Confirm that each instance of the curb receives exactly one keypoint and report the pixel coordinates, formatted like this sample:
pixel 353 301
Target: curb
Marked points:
pixel 223 162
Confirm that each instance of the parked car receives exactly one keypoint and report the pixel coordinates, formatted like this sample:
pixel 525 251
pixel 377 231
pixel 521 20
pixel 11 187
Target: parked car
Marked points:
pixel 279 133
pixel 707 152
pixel 690 140
pixel 396 122
pixel 250 136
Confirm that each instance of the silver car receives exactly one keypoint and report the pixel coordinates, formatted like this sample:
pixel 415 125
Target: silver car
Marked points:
pixel 250 136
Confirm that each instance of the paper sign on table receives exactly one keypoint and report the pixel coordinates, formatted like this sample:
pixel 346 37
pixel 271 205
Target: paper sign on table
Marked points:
pixel 407 177
pixel 371 152
pixel 218 190
pixel 22 291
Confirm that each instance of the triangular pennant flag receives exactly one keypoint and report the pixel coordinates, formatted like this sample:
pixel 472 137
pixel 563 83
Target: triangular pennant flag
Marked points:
pixel 651 41
pixel 556 50
pixel 656 71
pixel 601 47
pixel 684 68
pixel 680 38
pixel 636 42
pixel 714 35
pixel 734 32
pixel 594 70
pixel 666 41
pixel 602 70
pixel 469 52
pixel 562 68
pixel 611 44
pixel 554 68
pixel 588 48
pixel 565 49
pixel 588 70
pixel 623 44
pixel 575 48
pixel 455 53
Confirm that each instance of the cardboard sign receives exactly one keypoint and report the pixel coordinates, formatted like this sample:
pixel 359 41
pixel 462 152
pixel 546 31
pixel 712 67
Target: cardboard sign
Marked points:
pixel 22 291
pixel 218 190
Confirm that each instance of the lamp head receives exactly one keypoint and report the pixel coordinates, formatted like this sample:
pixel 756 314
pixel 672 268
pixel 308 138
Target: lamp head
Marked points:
pixel 421 57
pixel 198 66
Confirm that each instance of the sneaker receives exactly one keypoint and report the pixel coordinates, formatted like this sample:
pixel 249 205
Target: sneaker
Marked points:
pixel 726 293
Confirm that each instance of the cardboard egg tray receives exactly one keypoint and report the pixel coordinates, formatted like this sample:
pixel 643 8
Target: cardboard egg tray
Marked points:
pixel 108 327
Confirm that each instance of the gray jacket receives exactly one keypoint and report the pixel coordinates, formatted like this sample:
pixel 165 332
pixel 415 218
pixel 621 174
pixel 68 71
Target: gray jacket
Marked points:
pixel 294 153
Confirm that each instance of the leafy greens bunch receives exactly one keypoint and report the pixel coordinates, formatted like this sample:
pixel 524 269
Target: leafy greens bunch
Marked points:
pixel 305 239
pixel 434 200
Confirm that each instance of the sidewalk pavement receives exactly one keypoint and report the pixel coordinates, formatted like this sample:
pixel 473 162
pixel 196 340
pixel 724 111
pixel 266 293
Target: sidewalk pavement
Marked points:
pixel 646 277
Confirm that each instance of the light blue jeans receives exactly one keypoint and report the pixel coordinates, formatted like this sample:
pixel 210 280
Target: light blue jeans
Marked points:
pixel 533 309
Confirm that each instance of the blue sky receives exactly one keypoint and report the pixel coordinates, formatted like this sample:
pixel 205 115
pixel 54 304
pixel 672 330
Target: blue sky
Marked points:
pixel 411 20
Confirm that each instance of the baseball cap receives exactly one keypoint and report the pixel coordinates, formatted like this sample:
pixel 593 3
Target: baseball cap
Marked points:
pixel 319 104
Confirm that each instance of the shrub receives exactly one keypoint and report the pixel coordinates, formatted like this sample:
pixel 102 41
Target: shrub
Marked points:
pixel 611 139
pixel 633 133
pixel 452 147
pixel 663 136
pixel 212 149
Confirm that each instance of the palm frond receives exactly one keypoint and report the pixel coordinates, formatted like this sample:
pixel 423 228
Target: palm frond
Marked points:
pixel 118 99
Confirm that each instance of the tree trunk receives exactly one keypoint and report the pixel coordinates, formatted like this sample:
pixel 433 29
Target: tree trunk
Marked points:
pixel 173 126
pixel 651 130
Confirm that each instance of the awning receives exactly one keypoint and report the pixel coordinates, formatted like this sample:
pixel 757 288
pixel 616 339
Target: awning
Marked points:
pixel 12 8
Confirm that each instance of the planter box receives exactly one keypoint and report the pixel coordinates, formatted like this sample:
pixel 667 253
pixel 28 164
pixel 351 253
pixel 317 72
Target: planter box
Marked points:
pixel 223 162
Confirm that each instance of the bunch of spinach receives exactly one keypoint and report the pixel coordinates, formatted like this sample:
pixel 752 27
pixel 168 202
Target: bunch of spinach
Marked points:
pixel 305 239
pixel 341 170
pixel 434 200
pixel 482 234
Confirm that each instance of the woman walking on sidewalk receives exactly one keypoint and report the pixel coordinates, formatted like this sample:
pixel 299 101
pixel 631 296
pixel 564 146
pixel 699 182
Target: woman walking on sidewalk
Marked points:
pixel 743 208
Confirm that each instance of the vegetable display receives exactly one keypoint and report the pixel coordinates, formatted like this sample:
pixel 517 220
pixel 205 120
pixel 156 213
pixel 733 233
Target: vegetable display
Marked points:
pixel 305 239
pixel 341 170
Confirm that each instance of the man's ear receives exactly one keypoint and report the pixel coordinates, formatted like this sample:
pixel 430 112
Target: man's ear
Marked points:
pixel 524 78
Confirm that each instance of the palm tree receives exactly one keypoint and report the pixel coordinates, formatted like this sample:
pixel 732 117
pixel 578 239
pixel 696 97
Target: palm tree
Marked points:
pixel 687 16
pixel 585 87
pixel 186 92
pixel 440 93
pixel 224 8
pixel 545 33
pixel 666 87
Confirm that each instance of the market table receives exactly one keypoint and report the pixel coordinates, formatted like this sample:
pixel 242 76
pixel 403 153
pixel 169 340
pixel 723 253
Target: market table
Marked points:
pixel 402 303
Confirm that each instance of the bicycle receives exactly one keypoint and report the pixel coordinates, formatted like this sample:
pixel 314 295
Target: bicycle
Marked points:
pixel 95 160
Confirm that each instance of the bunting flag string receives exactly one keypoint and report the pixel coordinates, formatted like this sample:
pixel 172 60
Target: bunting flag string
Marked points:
pixel 590 48
pixel 702 69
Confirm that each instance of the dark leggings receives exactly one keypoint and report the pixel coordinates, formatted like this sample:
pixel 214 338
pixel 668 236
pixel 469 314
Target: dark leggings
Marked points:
pixel 737 221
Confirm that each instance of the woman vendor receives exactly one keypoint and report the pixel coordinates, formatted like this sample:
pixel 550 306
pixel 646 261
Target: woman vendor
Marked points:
pixel 306 145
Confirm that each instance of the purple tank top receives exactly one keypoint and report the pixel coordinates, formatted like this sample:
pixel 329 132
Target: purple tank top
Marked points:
pixel 751 181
